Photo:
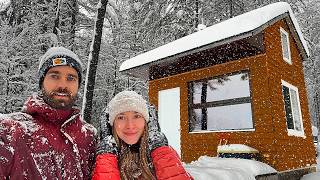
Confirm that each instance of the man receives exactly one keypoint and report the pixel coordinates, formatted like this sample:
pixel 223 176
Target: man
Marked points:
pixel 48 139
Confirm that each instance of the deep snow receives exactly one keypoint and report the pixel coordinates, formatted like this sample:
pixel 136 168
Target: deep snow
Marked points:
pixel 230 169
pixel 227 168
pixel 315 175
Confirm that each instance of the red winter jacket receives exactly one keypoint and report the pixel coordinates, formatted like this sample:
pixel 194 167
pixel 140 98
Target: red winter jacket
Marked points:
pixel 45 143
pixel 166 162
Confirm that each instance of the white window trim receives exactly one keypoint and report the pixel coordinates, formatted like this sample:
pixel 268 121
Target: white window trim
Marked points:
pixel 293 132
pixel 289 51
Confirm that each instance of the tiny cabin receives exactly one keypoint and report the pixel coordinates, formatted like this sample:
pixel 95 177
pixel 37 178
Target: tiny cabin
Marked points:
pixel 242 79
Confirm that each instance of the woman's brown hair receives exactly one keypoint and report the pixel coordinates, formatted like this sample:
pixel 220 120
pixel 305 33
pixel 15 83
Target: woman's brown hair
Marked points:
pixel 133 161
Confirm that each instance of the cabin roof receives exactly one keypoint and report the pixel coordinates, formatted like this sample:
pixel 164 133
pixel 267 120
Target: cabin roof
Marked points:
pixel 239 27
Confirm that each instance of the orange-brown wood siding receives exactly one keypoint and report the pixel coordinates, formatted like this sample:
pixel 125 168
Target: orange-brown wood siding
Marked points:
pixel 270 134
pixel 292 152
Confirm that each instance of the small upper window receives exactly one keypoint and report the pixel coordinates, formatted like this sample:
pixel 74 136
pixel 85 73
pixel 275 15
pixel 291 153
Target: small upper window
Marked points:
pixel 285 46
pixel 292 109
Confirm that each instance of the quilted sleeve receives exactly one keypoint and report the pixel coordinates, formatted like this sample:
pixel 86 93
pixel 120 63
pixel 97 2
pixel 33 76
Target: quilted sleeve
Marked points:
pixel 106 167
pixel 167 164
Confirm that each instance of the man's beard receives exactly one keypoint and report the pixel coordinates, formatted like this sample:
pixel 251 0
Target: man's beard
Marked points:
pixel 48 98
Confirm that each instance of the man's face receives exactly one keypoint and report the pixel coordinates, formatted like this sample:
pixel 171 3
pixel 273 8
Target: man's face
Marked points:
pixel 60 87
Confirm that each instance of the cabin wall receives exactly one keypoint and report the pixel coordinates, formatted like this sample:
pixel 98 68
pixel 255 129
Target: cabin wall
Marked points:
pixel 194 145
pixel 270 135
pixel 290 151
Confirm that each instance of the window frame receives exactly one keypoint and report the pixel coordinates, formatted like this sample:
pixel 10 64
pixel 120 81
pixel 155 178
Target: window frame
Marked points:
pixel 293 132
pixel 288 60
pixel 219 103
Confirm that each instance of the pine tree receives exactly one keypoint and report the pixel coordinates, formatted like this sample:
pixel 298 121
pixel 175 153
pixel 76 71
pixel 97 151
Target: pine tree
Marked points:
pixel 25 35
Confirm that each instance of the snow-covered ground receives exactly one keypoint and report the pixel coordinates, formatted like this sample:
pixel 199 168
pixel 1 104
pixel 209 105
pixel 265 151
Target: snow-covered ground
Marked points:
pixel 313 176
pixel 227 168
pixel 230 169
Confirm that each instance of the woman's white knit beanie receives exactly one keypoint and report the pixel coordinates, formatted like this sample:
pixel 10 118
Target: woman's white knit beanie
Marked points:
pixel 127 101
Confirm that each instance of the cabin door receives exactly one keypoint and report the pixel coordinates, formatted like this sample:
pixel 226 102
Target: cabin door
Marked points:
pixel 169 116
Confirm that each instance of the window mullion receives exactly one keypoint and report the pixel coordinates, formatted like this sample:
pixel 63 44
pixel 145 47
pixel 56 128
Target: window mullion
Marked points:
pixel 204 109
pixel 226 102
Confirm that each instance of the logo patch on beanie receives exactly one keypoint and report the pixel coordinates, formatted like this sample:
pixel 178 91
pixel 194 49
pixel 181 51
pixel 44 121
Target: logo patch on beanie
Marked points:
pixel 59 61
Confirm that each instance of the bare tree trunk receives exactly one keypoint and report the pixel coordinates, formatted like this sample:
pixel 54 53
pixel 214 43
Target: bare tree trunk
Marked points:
pixel 231 8
pixel 57 19
pixel 93 62
pixel 74 6
pixel 316 102
pixel 7 89
pixel 197 14
pixel 43 24
pixel 115 90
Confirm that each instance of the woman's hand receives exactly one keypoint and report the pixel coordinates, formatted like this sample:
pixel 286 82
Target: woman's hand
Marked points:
pixel 156 137
pixel 107 142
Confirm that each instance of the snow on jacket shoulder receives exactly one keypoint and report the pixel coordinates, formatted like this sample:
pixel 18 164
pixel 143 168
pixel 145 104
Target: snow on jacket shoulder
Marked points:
pixel 167 164
pixel 12 134
pixel 46 144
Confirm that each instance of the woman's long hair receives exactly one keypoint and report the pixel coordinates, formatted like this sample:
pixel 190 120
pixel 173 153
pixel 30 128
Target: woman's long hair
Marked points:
pixel 133 159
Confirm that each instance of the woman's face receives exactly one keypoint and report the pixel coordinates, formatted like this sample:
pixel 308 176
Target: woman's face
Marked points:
pixel 129 126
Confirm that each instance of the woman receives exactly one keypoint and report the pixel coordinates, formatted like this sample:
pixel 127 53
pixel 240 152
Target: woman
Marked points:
pixel 132 147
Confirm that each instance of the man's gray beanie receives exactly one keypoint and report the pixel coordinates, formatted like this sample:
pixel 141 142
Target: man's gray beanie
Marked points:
pixel 58 56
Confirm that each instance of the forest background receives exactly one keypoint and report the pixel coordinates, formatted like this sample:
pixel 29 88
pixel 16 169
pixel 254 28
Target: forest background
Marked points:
pixel 29 27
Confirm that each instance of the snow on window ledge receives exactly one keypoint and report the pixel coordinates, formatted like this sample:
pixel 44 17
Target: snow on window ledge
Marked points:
pixel 236 148
pixel 296 133
pixel 215 131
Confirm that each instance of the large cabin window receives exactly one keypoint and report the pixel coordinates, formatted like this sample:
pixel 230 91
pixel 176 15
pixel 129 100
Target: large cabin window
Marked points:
pixel 285 46
pixel 292 109
pixel 221 103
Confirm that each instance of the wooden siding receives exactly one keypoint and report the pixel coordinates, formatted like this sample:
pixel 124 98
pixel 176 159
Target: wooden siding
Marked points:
pixel 193 145
pixel 293 152
pixel 270 136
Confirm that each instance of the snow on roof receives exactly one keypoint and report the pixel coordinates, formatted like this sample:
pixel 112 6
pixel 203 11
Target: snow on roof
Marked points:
pixel 236 26
pixel 227 168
